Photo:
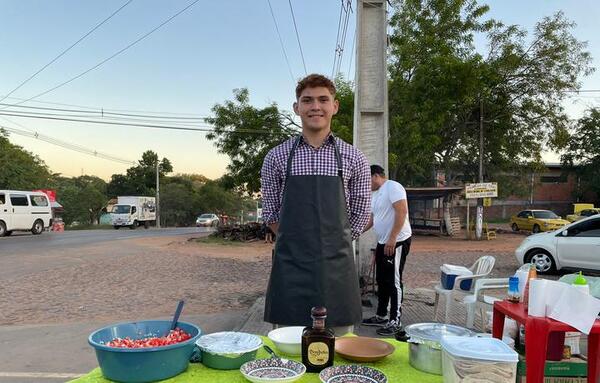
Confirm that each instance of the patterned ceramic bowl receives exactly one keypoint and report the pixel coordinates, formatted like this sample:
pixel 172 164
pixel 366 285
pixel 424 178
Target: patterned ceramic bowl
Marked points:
pixel 272 370
pixel 352 373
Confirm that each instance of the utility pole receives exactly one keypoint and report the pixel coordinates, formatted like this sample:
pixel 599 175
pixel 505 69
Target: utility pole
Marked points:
pixel 157 193
pixel 371 99
pixel 479 217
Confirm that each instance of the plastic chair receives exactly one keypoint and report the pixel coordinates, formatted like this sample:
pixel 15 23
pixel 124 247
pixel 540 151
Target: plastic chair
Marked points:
pixel 472 301
pixel 481 268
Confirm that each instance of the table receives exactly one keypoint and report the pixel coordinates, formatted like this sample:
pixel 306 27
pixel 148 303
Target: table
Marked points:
pixel 395 367
pixel 537 331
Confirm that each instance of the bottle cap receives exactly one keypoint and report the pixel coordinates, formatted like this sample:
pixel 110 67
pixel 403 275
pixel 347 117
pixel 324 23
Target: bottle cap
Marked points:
pixel 580 280
pixel 318 312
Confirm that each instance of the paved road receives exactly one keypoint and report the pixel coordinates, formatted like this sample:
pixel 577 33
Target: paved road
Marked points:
pixel 45 352
pixel 24 242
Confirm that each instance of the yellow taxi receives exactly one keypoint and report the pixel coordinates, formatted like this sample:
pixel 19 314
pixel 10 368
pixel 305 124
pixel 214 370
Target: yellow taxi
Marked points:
pixel 537 221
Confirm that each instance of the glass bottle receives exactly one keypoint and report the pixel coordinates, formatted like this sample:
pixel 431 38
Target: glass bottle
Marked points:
pixel 318 342
pixel 514 295
pixel 532 275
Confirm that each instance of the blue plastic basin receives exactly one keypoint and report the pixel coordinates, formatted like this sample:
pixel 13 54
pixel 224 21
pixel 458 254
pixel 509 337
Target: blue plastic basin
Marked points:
pixel 142 364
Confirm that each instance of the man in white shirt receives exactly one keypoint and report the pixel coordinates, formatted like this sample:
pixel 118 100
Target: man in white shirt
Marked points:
pixel 389 219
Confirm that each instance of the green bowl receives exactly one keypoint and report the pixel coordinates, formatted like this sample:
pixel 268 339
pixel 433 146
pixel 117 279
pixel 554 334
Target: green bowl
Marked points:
pixel 228 350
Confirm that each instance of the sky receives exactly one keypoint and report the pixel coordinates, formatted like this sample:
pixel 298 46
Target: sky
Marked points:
pixel 187 66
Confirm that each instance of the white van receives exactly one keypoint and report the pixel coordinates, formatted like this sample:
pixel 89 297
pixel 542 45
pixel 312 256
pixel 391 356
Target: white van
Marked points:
pixel 24 211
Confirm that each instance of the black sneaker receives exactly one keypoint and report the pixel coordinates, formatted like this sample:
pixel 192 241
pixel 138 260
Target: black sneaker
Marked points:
pixel 375 321
pixel 390 329
pixel 401 336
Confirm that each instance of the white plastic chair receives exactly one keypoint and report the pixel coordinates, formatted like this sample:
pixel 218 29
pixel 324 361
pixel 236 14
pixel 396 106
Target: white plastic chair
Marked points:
pixel 472 301
pixel 480 269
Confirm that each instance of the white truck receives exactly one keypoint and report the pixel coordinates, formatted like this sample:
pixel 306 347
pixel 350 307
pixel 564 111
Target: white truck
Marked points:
pixel 133 211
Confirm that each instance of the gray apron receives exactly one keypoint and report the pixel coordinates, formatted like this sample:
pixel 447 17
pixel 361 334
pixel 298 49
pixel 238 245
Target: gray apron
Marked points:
pixel 313 263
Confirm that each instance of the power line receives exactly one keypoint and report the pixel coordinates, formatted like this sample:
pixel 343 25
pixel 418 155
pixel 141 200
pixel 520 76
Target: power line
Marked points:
pixel 103 113
pixel 67 145
pixel 352 54
pixel 201 129
pixel 105 109
pixel 343 39
pixel 281 42
pixel 337 39
pixel 112 56
pixel 298 37
pixel 65 51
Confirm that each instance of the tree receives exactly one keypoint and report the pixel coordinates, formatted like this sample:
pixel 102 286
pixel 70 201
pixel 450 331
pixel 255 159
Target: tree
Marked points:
pixel 583 151
pixel 343 122
pixel 439 81
pixel 246 134
pixel 20 169
pixel 83 198
pixel 140 179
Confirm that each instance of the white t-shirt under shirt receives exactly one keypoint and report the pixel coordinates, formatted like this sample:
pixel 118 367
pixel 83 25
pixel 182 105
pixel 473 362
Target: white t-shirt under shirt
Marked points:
pixel 384 213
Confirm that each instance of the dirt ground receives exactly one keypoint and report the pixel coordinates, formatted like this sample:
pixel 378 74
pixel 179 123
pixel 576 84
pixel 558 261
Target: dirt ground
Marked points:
pixel 145 278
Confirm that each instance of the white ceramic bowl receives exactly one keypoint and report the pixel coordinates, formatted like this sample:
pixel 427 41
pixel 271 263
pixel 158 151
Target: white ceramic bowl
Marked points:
pixel 287 340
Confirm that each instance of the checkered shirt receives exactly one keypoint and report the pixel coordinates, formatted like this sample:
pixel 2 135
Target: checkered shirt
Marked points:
pixel 318 161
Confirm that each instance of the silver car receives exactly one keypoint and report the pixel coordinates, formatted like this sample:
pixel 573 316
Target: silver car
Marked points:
pixel 207 220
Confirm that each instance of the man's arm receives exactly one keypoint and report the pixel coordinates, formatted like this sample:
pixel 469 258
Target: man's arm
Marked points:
pixel 359 194
pixel 271 184
pixel 400 212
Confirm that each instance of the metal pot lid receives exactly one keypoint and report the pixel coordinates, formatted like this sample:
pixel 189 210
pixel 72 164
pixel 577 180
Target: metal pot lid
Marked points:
pixel 433 332
pixel 229 342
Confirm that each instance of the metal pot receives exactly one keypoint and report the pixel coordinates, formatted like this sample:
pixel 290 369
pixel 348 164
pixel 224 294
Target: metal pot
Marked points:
pixel 425 350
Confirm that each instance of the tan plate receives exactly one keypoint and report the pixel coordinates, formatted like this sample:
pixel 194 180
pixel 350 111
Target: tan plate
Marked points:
pixel 362 349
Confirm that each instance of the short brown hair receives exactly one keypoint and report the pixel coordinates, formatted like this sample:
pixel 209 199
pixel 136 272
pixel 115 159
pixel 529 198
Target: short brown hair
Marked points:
pixel 314 81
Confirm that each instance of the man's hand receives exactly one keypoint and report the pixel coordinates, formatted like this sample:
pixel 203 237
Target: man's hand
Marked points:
pixel 390 247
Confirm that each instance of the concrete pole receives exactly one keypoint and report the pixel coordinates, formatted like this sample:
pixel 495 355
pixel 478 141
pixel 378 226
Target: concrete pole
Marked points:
pixel 157 194
pixel 371 99
pixel 479 217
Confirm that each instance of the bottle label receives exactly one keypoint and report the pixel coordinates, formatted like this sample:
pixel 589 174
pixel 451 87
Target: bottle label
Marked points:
pixel 318 353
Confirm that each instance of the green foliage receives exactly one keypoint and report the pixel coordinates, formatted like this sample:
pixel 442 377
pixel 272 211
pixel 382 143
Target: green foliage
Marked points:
pixel 583 152
pixel 343 121
pixel 20 169
pixel 438 81
pixel 83 198
pixel 140 179
pixel 246 134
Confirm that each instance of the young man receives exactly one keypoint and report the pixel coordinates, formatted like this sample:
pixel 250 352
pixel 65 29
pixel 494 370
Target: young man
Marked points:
pixel 390 221
pixel 316 199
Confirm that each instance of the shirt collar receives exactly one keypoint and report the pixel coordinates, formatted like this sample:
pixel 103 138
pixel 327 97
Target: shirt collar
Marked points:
pixel 329 139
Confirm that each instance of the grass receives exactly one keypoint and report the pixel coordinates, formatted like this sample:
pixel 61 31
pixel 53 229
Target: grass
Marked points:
pixel 214 240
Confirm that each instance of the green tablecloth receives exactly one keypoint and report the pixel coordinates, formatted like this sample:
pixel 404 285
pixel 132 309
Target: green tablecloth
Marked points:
pixel 395 367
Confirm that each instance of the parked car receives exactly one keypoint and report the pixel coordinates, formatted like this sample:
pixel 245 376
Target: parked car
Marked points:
pixel 24 211
pixel 207 220
pixel 537 221
pixel 575 246
pixel 582 214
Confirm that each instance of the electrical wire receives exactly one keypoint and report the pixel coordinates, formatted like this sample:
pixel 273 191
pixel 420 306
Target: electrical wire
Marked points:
pixel 337 39
pixel 352 54
pixel 110 57
pixel 343 42
pixel 281 42
pixel 298 37
pixel 65 51
pixel 200 129
pixel 104 113
pixel 106 109
pixel 67 145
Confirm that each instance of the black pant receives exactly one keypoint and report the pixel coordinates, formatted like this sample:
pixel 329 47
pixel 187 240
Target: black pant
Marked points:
pixel 388 270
